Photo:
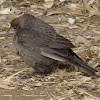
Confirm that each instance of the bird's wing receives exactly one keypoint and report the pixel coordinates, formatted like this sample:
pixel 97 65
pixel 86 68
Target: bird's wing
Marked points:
pixel 52 45
pixel 32 38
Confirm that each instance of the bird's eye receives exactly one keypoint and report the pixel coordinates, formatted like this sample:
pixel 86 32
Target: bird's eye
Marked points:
pixel 14 27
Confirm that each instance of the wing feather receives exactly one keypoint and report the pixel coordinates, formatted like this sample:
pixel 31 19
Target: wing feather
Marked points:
pixel 42 40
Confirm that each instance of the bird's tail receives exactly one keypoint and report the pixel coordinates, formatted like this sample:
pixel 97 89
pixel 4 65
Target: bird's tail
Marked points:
pixel 74 59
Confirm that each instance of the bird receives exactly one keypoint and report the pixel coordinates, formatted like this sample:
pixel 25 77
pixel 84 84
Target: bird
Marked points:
pixel 41 47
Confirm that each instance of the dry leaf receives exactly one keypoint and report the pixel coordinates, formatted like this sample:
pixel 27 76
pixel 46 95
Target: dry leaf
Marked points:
pixel 62 0
pixel 48 4
pixel 5 11
pixel 48 0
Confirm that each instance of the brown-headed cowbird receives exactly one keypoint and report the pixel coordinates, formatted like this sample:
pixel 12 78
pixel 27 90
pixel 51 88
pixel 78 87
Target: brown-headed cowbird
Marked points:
pixel 41 47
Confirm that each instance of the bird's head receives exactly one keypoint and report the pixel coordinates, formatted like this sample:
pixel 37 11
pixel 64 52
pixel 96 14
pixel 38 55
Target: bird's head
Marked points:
pixel 18 23
pixel 14 27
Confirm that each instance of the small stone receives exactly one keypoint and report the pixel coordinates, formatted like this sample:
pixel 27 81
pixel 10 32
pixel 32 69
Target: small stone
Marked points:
pixel 71 20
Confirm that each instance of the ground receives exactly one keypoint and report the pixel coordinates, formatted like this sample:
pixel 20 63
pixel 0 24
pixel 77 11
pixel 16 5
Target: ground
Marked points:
pixel 80 24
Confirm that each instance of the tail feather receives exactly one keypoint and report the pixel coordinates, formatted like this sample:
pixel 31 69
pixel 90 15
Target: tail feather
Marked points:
pixel 80 63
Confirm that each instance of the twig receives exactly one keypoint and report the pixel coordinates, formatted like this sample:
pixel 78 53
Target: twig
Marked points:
pixel 11 76
pixel 59 25
pixel 49 95
pixel 86 93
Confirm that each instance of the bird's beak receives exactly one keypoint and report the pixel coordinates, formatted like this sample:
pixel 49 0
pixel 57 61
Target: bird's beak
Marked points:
pixel 10 31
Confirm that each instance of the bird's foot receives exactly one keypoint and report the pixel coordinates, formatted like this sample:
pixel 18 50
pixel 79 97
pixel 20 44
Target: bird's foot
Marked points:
pixel 29 76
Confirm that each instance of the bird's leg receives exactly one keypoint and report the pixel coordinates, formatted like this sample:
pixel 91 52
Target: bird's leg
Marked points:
pixel 29 76
pixel 42 70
